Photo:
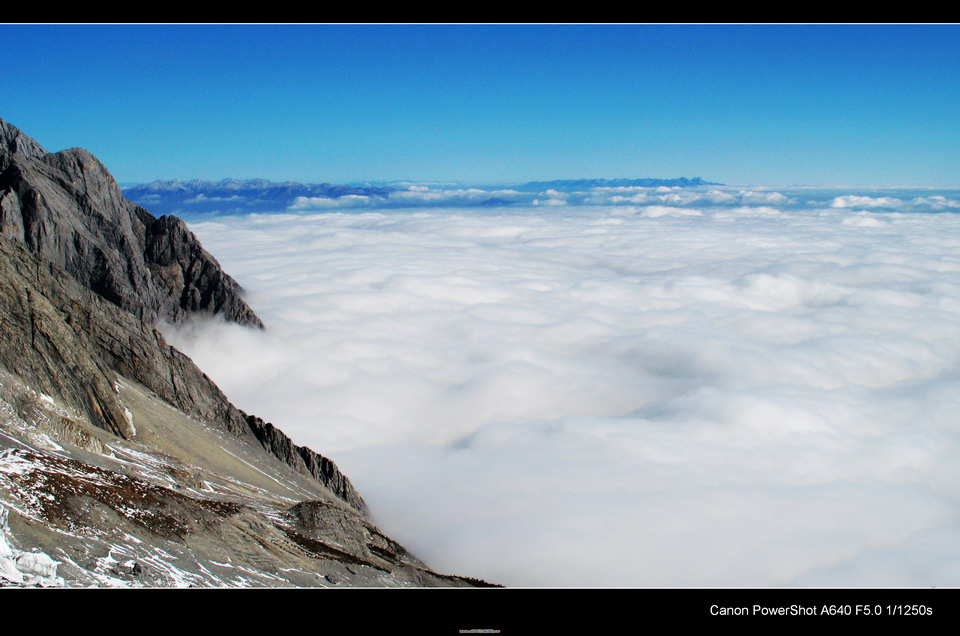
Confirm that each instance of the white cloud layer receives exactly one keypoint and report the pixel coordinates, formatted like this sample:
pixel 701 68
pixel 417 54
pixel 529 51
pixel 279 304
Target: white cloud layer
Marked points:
pixel 648 393
pixel 433 195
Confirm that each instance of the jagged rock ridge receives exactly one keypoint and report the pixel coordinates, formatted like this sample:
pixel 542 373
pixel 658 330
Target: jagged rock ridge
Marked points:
pixel 66 341
pixel 113 443
pixel 67 208
pixel 152 268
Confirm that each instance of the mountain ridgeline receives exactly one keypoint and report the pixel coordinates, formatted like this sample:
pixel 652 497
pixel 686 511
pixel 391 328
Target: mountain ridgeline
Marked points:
pixel 580 185
pixel 239 196
pixel 121 462
pixel 66 208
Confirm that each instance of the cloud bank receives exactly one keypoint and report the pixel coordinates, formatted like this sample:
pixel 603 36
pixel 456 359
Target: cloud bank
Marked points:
pixel 446 195
pixel 663 388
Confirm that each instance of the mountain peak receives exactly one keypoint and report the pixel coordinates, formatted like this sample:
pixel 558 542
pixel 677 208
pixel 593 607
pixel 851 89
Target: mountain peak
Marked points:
pixel 66 207
pixel 113 443
pixel 14 142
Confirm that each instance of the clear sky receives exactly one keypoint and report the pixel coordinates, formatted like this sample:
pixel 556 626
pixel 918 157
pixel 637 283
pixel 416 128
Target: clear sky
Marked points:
pixel 865 105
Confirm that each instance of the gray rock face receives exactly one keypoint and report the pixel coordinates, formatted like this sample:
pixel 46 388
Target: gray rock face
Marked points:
pixel 318 466
pixel 13 142
pixel 67 208
pixel 65 341
pixel 52 331
pixel 113 442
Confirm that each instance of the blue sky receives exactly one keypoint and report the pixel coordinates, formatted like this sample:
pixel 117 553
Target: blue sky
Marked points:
pixel 863 105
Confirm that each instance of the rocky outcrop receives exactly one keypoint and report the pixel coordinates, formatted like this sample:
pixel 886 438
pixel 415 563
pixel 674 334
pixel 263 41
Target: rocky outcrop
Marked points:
pixel 66 341
pixel 67 208
pixel 54 339
pixel 113 443
pixel 318 466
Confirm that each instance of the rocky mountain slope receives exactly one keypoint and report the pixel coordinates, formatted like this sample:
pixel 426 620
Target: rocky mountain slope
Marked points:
pixel 121 463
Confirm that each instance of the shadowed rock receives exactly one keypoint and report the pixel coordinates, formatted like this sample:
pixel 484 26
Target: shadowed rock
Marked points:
pixel 120 458
pixel 67 208
pixel 84 275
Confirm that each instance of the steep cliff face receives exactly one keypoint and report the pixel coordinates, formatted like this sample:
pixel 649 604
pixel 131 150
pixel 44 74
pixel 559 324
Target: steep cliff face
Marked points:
pixel 119 458
pixel 67 208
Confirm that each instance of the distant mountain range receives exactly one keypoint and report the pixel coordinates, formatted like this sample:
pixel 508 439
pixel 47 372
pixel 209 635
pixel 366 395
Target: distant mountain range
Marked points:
pixel 579 185
pixel 238 196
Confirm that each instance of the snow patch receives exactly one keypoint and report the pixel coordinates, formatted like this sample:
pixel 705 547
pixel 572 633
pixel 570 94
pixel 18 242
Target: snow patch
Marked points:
pixel 128 415
pixel 25 568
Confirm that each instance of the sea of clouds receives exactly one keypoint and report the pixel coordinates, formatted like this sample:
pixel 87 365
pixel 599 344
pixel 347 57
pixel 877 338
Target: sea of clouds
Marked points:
pixel 649 387
pixel 450 195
